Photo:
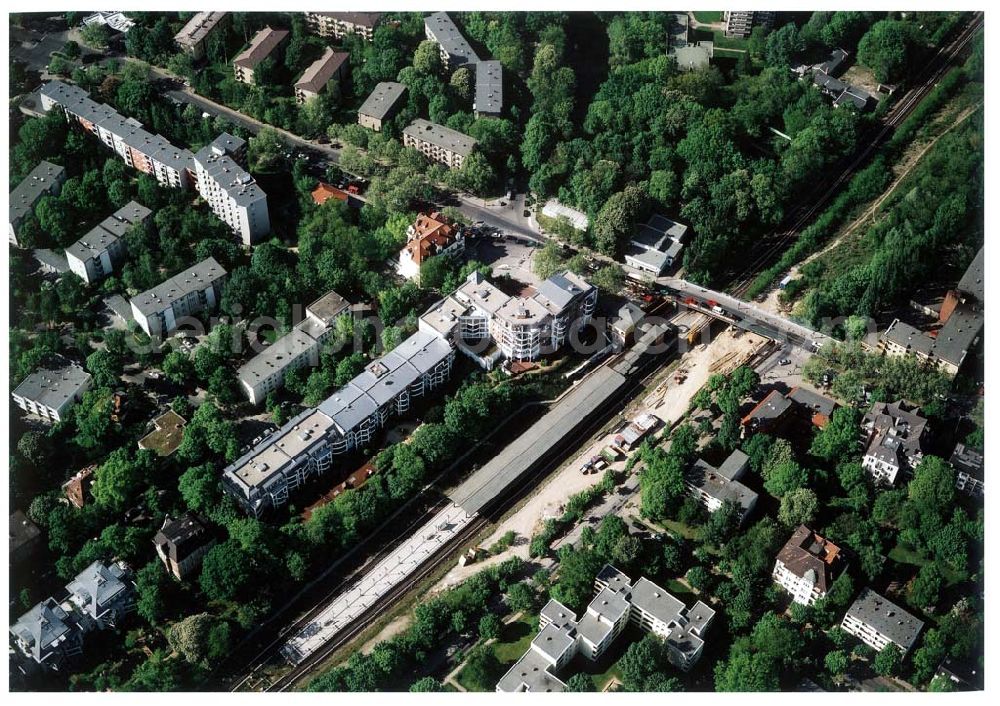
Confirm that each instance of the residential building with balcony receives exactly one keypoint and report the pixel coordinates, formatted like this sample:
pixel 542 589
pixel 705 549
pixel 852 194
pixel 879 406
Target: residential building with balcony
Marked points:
pixel 265 372
pixel 158 311
pixel 331 67
pixel 893 436
pixel 193 37
pixel 265 43
pixel 430 235
pixel 306 446
pixel 45 179
pixel 739 23
pixel 99 253
pixel 877 622
pixel 138 148
pixel 231 192
pixel 343 24
pixel 970 467
pixel 51 390
pixel 714 486
pixel 381 104
pixel 439 143
pixel 456 52
pixel 807 566
pixel 617 602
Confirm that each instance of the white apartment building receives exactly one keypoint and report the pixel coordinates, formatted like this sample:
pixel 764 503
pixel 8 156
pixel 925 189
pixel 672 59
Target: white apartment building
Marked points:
pixel 97 254
pixel 431 235
pixel 807 566
pixel 714 486
pixel 893 436
pixel 49 392
pixel 138 148
pixel 196 289
pixel 343 24
pixel 877 621
pixel 486 324
pixel 231 191
pixel 438 143
pixel 44 180
pixel 350 418
pixel 265 372
pixel 192 38
pixel 617 601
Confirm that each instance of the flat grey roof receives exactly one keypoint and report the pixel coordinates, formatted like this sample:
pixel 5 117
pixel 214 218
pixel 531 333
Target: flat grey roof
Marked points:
pixel 328 307
pixel 814 401
pixel 557 613
pixel 489 87
pixel 38 183
pixel 275 357
pixel 108 231
pixel 52 386
pixel 560 290
pixel 452 41
pixel 522 453
pixel 530 673
pixel 382 100
pixel 196 278
pixel 886 617
pixel 441 136
pixel 237 182
pixel 972 280
pixel 229 144
pixel 657 601
pixel 709 479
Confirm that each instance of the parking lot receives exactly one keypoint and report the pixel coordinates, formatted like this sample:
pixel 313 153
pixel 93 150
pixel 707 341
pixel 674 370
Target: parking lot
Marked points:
pixel 509 256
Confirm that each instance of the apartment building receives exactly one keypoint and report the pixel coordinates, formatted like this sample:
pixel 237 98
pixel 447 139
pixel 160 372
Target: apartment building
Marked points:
pixel 381 104
pixel 656 245
pixel 431 235
pixel 438 143
pixel 139 149
pixel 50 391
pixel 350 418
pixel 332 66
pixel 181 544
pixel 193 37
pixel 970 470
pixel 807 566
pixel 159 310
pixel 265 372
pixel 97 254
pixel 231 192
pixel 343 24
pixel 52 632
pixel 46 179
pixel 773 413
pixel 893 436
pixel 714 486
pixel 877 622
pixel 739 23
pixel 456 52
pixel 958 329
pixel 263 45
pixel 486 324
pixel 617 602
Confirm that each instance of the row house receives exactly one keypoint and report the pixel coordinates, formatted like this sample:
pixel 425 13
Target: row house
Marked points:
pixel 194 36
pixel 331 67
pixel 456 52
pixel 385 100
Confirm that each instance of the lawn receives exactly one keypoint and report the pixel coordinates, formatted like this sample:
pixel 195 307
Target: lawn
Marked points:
pixel 514 640
pixel 708 17
pixel 680 528
pixel 905 554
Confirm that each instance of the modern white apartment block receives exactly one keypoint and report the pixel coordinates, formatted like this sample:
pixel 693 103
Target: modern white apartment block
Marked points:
pixel 306 446
pixel 807 566
pixel 970 467
pixel 617 601
pixel 265 372
pixel 656 245
pixel 431 235
pixel 97 254
pixel 877 622
pixel 231 191
pixel 343 24
pixel 139 149
pixel 46 179
pixel 381 104
pixel 486 324
pixel 49 392
pixel 263 44
pixel 893 436
pixel 438 143
pixel 158 311
pixel 193 37
pixel 331 67
pixel 739 23
pixel 714 486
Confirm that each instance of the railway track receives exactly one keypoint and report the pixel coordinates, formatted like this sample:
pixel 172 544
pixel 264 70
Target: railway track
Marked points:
pixel 942 61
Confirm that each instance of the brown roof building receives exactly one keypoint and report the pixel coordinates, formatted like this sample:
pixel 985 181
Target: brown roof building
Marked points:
pixel 807 566
pixel 329 67
pixel 261 46
pixel 182 544
pixel 429 236
pixel 77 487
pixel 324 192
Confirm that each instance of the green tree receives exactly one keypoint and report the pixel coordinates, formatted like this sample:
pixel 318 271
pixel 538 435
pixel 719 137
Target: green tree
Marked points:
pixel 426 684
pixel 837 662
pixel 225 571
pixel 200 639
pixel 118 480
pixel 200 488
pixel 490 626
pixel 839 438
pixel 798 507
pixel 580 682
pixel 151 587
pixel 427 58
pixel 926 587
pixel 886 49
pixel 888 661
